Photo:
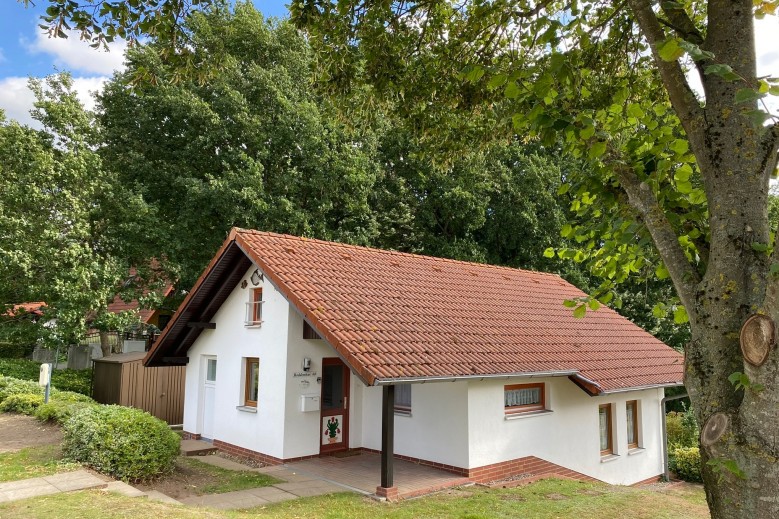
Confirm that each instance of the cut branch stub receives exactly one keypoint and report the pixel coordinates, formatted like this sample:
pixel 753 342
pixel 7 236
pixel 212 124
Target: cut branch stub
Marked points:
pixel 757 338
pixel 714 429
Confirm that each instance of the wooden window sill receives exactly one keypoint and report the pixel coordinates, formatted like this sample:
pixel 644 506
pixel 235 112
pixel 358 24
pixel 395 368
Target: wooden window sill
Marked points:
pixel 527 414
pixel 246 408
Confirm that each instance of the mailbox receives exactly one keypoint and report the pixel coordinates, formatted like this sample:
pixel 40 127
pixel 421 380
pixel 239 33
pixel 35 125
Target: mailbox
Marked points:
pixel 43 378
pixel 309 403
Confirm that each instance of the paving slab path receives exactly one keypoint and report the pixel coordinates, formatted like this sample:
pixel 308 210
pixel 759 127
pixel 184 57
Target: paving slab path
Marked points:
pixel 64 482
pixel 295 485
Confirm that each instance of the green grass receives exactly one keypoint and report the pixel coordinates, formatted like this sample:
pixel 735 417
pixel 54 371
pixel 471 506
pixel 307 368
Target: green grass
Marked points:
pixel 546 499
pixel 223 480
pixel 33 462
pixel 63 379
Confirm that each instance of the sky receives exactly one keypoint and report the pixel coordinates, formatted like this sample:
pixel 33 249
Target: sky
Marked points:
pixel 25 50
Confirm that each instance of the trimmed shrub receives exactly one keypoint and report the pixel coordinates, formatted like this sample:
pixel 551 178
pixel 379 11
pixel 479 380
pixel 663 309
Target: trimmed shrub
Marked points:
pixel 13 386
pixel 682 429
pixel 24 403
pixel 59 411
pixel 685 462
pixel 123 442
pixel 78 381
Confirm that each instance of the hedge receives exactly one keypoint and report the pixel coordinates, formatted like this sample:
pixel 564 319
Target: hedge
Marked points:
pixel 685 462
pixel 77 380
pixel 123 442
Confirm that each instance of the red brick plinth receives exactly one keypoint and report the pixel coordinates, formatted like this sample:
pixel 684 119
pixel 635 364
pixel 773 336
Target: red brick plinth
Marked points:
pixel 389 493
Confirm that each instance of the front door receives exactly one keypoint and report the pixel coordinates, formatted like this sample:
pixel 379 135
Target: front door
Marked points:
pixel 209 398
pixel 334 434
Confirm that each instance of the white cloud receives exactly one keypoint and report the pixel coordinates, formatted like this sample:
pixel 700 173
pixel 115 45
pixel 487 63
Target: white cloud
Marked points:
pixel 76 55
pixel 767 59
pixel 17 100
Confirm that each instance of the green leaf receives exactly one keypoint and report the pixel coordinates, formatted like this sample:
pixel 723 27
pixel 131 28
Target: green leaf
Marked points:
pixel 635 110
pixel 761 247
pixel 587 132
pixel 474 73
pixel 679 146
pixel 680 315
pixel 659 311
pixel 580 311
pixel 512 90
pixel 497 81
pixel 549 253
pixel 563 189
pixel 593 304
pixel 569 303
pixel 747 95
pixel 683 173
pixel 684 187
pixel 670 50
pixel 724 71
pixel 597 150
pixel 757 117
pixel 661 272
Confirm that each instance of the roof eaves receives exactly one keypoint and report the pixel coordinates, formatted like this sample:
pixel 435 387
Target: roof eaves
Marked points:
pixel 453 378
pixel 642 388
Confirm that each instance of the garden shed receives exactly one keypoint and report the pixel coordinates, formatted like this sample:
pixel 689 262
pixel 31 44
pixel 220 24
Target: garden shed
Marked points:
pixel 122 379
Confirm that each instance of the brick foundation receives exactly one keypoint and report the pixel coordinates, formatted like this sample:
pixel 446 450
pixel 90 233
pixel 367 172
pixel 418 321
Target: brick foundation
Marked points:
pixel 648 481
pixel 526 465
pixel 265 459
pixel 448 468
pixel 189 436
pixel 390 494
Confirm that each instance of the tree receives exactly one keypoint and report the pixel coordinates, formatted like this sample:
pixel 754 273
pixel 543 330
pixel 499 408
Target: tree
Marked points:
pixel 252 147
pixel 58 213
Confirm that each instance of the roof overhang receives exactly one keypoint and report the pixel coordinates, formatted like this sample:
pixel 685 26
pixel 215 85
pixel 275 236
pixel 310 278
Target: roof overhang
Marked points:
pixel 455 378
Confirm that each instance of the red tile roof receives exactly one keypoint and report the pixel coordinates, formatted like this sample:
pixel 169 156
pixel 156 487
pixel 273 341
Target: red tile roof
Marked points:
pixel 119 305
pixel 35 308
pixel 402 316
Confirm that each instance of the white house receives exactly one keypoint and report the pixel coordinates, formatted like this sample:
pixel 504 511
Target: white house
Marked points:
pixel 298 348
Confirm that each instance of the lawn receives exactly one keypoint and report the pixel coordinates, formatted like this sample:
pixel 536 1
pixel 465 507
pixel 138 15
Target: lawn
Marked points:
pixel 193 477
pixel 546 499
pixel 33 462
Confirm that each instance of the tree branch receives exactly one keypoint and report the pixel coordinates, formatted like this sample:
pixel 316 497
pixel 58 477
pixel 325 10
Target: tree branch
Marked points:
pixel 643 200
pixel 679 92
pixel 771 146
pixel 682 23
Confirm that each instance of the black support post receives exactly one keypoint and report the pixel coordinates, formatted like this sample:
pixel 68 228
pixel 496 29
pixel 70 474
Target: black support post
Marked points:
pixel 387 435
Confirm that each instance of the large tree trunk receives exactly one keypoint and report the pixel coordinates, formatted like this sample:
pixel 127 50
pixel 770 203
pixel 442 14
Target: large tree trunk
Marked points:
pixel 740 425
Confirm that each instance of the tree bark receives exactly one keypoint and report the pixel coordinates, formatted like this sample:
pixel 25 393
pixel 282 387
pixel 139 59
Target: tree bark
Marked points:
pixel 740 426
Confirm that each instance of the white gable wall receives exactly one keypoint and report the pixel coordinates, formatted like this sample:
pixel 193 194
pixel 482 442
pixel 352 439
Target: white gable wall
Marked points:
pixel 231 342
pixel 569 435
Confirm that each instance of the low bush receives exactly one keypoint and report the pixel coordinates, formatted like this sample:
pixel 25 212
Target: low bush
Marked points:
pixel 24 403
pixel 13 386
pixel 123 442
pixel 59 411
pixel 685 462
pixel 78 381
pixel 682 429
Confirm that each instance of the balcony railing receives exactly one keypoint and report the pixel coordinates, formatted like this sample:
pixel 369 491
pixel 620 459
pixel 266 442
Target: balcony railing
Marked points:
pixel 253 313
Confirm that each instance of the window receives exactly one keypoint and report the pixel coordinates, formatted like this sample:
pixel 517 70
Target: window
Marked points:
pixel 403 399
pixel 604 418
pixel 523 398
pixel 254 308
pixel 631 409
pixel 252 378
pixel 211 370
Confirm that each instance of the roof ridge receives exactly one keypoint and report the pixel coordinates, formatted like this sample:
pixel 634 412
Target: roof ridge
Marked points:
pixel 240 230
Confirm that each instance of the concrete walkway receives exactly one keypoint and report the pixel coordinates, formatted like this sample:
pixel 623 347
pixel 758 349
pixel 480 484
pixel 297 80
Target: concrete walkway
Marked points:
pixel 295 485
pixel 65 482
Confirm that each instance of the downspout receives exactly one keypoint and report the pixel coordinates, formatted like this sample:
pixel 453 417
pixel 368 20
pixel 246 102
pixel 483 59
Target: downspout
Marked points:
pixel 666 474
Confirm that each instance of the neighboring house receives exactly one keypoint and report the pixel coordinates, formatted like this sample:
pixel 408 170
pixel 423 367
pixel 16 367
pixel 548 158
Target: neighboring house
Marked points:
pixel 157 317
pixel 297 348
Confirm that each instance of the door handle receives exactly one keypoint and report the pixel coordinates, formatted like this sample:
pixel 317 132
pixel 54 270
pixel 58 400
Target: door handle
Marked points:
pixel 346 402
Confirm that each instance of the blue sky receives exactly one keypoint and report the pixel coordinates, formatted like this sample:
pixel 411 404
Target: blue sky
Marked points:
pixel 26 51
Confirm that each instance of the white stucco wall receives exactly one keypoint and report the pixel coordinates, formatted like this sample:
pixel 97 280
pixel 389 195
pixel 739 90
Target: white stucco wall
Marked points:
pixel 231 342
pixel 437 429
pixel 569 435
